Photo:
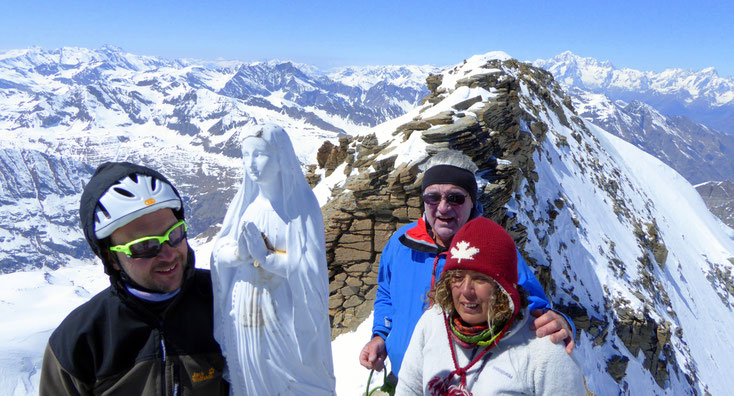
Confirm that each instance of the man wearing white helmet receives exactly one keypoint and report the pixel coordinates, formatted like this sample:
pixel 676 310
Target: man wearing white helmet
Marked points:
pixel 150 332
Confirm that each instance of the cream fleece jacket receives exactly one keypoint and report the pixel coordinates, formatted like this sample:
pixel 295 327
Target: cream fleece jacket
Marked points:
pixel 520 364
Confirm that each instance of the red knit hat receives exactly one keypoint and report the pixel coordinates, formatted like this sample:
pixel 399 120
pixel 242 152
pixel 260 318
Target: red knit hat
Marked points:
pixel 482 245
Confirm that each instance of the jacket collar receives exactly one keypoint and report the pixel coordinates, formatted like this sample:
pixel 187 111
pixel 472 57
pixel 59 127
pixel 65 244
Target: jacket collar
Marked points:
pixel 419 238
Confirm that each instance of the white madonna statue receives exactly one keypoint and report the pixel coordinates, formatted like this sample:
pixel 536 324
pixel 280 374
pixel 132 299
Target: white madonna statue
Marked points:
pixel 270 278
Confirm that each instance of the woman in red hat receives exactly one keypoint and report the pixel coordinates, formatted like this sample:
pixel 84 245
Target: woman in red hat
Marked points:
pixel 475 339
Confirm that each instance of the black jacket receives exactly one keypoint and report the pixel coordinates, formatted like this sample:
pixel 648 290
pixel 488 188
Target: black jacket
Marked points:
pixel 117 345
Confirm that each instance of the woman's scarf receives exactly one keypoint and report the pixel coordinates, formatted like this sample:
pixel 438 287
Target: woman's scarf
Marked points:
pixel 463 334
pixel 468 336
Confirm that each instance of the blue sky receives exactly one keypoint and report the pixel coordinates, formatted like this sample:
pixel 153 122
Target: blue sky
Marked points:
pixel 645 35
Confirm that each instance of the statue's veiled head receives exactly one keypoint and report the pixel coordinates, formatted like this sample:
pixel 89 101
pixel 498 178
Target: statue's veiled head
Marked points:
pixel 270 162
pixel 260 153
pixel 260 160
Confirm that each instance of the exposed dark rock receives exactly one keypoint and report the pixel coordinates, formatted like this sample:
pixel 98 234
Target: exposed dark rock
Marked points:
pixel 650 240
pixel 416 125
pixel 617 367
pixel 434 82
pixel 463 105
pixel 719 198
pixel 639 332
pixel 722 280
pixel 442 118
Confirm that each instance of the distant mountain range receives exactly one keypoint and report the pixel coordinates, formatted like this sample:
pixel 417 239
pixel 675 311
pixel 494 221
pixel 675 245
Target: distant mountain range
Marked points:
pixel 108 87
pixel 65 111
pixel 703 96
pixel 697 152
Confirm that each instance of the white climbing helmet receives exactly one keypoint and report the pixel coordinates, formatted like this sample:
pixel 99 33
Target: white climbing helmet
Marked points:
pixel 131 197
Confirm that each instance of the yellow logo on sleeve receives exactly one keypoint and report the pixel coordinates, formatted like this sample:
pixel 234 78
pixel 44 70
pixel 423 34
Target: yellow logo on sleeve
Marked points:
pixel 202 376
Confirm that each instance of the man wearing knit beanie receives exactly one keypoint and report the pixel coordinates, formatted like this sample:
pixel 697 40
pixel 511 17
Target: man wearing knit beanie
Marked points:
pixel 414 257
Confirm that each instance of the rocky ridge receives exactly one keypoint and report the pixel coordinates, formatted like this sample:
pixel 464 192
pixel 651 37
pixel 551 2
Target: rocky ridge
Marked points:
pixel 520 128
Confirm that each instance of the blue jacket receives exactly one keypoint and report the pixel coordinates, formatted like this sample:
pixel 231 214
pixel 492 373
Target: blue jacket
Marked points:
pixel 404 278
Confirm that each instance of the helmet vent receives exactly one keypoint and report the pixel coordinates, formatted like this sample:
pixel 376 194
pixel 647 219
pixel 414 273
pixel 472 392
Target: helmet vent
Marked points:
pixel 153 182
pixel 134 177
pixel 103 211
pixel 123 192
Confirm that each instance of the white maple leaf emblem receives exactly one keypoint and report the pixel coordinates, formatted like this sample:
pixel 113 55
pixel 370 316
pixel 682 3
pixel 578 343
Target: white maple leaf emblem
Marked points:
pixel 462 250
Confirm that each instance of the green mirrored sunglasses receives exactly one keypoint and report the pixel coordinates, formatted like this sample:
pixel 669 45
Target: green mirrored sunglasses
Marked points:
pixel 150 246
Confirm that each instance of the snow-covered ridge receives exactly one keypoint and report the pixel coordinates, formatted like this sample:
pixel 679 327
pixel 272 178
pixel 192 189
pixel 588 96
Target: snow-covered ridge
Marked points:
pixel 611 191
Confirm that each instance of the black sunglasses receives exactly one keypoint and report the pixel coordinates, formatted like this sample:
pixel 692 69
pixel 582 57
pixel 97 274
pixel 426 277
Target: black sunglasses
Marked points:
pixel 451 198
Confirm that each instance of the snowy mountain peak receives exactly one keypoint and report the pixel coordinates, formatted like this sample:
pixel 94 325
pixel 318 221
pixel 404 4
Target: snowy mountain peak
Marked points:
pixel 492 55
pixel 596 74
pixel 569 58
pixel 32 64
pixel 711 71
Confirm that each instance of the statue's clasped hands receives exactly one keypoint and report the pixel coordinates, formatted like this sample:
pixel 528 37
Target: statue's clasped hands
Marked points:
pixel 252 243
